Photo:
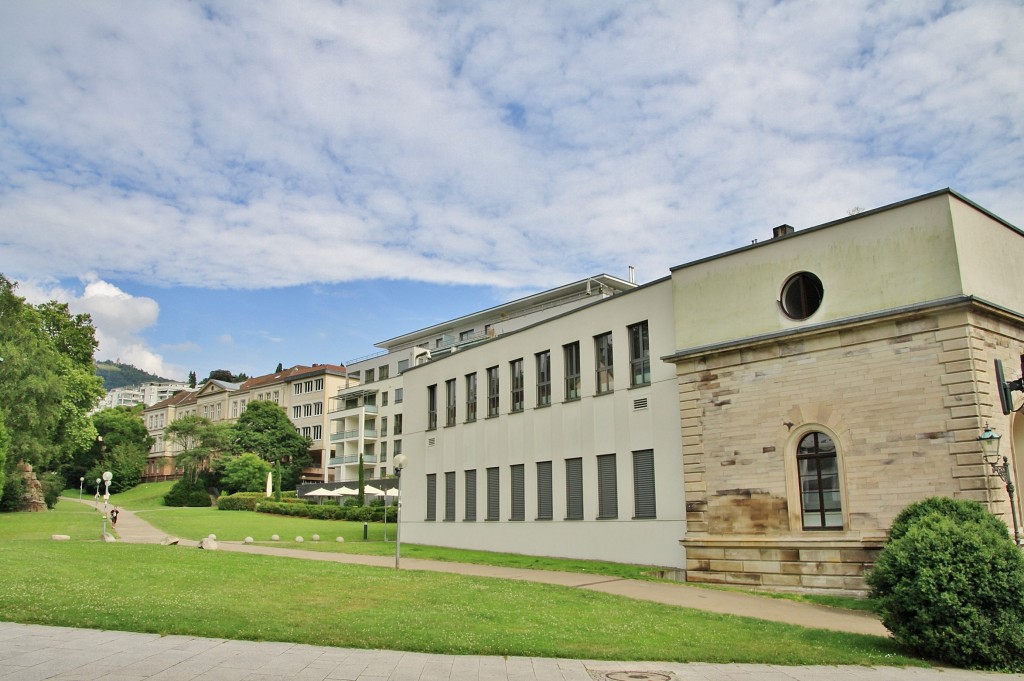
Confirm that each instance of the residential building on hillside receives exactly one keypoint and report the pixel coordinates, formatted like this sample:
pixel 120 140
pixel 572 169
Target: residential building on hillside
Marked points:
pixel 301 391
pixel 148 393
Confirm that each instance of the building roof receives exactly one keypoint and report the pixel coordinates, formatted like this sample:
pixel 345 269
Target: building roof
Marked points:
pixel 178 399
pixel 299 371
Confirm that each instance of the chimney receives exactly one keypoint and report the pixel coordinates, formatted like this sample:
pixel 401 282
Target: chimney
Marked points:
pixel 782 230
pixel 632 274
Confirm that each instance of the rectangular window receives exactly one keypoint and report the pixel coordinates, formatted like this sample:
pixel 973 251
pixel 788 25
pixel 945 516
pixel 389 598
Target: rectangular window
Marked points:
pixel 543 378
pixel 383 426
pixel 399 394
pixel 607 487
pixel 317 432
pixel 307 431
pixel 518 492
pixel 639 355
pixel 319 385
pixel 383 372
pixel 398 424
pixel 403 365
pixel 603 363
pixel 574 489
pixel 449 411
pixel 277 397
pixel 369 376
pixel 307 410
pixel 298 388
pixel 431 407
pixel 449 496
pixel 465 335
pixel 572 370
pixel 398 447
pixel 234 409
pixel 470 397
pixel 493 494
pixel 518 384
pixel 318 408
pixel 544 505
pixel 470 511
pixel 383 453
pixel 431 496
pixel 308 386
pixel 384 399
pixel 644 502
pixel 492 391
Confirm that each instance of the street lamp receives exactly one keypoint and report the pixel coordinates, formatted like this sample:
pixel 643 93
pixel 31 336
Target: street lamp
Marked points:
pixel 81 483
pixel 399 463
pixel 989 440
pixel 107 477
pixel 97 497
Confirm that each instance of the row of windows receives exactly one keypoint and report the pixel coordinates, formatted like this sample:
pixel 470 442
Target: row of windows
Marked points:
pixel 313 385
pixel 312 432
pixel 644 498
pixel 303 410
pixel 604 372
pixel 381 373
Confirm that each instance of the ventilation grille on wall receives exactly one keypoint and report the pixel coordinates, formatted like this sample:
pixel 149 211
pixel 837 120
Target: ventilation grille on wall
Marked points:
pixel 640 403
pixel 430 441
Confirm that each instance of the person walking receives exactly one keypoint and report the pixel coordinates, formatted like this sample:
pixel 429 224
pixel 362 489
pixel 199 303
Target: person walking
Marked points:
pixel 113 517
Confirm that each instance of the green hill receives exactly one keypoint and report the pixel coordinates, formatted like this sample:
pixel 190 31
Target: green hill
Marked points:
pixel 117 375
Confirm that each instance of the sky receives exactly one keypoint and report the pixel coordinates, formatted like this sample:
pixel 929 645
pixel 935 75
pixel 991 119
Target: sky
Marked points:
pixel 230 185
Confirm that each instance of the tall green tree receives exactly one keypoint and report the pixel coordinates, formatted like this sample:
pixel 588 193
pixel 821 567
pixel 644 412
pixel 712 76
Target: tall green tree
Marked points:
pixel 244 473
pixel 191 379
pixel 47 380
pixel 201 442
pixel 264 429
pixel 123 449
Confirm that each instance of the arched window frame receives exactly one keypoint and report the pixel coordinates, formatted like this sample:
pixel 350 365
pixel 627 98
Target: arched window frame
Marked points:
pixel 793 478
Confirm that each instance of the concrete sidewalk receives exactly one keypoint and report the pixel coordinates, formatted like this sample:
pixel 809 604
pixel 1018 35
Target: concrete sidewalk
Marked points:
pixel 38 653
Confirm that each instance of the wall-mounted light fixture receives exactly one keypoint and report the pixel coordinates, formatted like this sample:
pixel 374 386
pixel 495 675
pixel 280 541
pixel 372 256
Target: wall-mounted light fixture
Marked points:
pixel 989 440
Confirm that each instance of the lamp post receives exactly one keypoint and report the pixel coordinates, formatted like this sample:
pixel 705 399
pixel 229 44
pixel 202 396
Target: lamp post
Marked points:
pixel 107 476
pixel 989 440
pixel 399 464
pixel 96 503
pixel 81 484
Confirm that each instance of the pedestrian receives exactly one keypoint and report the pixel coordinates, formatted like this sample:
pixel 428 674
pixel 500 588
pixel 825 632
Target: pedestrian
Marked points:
pixel 113 517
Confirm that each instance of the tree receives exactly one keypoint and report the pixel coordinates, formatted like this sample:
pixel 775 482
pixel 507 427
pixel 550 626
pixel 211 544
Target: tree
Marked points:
pixel 191 379
pixel 221 375
pixel 5 441
pixel 47 380
pixel 264 428
pixel 122 451
pixel 244 473
pixel 201 442
pixel 279 369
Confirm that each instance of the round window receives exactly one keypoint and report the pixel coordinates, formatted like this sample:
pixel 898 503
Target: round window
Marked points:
pixel 801 295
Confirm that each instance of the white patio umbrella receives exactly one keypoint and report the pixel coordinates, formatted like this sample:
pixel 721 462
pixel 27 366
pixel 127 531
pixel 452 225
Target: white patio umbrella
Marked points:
pixel 269 483
pixel 346 491
pixel 320 492
pixel 370 489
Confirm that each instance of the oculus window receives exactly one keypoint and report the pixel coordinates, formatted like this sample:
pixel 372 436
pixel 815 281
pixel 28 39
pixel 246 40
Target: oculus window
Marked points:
pixel 801 295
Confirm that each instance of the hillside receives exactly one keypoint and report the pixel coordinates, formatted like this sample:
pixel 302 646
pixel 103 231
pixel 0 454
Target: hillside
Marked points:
pixel 117 375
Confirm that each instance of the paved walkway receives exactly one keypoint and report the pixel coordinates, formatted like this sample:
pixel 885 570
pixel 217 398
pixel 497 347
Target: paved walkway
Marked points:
pixel 37 653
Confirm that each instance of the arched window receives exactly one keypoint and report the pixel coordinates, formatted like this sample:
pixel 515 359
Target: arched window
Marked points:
pixel 820 498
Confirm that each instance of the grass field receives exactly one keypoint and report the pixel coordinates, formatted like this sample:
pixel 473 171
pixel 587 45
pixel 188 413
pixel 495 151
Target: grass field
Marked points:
pixel 178 590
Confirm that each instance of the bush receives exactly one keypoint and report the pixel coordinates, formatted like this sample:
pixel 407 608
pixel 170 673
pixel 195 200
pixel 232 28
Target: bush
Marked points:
pixel 186 493
pixel 53 485
pixel 962 510
pixel 950 586
pixel 240 501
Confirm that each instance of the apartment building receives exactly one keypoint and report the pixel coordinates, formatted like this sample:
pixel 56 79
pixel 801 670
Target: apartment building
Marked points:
pixel 301 391
pixel 368 415
pixel 559 438
pixel 148 393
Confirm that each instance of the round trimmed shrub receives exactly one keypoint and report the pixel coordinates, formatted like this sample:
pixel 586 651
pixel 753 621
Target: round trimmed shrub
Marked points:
pixel 964 510
pixel 950 586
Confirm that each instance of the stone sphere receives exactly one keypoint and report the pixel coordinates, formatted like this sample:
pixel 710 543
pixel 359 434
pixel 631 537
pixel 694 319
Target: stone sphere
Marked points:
pixel 341 540
pixel 212 536
pixel 316 537
pixel 248 540
pixel 298 540
pixel 274 537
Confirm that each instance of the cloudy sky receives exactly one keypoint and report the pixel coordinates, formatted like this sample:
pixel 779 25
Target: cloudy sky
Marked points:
pixel 237 184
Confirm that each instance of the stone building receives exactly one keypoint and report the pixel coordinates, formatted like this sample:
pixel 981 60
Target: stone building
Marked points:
pixel 829 377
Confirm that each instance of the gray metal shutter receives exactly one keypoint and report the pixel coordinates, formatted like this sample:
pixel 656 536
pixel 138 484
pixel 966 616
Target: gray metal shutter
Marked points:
pixel 493 492
pixel 644 502
pixel 544 505
pixel 449 495
pixel 518 492
pixel 432 496
pixel 607 487
pixel 574 489
pixel 471 495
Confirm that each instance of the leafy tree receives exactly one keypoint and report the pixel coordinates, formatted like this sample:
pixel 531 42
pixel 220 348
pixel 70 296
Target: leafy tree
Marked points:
pixel 264 428
pixel 244 473
pixel 191 379
pixel 201 442
pixel 5 442
pixel 47 380
pixel 125 462
pixel 221 375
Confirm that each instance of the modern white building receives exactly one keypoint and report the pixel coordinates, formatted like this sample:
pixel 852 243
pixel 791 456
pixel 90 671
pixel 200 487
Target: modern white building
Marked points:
pixel 560 438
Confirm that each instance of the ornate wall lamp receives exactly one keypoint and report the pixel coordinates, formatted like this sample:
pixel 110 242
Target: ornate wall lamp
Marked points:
pixel 989 440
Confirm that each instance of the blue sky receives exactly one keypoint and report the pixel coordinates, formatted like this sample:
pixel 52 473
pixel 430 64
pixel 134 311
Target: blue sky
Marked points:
pixel 232 185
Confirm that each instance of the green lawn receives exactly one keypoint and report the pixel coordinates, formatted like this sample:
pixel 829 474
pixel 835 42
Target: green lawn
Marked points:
pixel 179 590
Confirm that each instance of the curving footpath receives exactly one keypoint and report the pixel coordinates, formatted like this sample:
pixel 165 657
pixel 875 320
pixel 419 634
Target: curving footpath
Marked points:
pixel 40 652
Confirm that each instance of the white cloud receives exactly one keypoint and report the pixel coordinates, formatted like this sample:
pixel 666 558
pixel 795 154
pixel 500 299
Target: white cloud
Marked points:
pixel 118 317
pixel 250 146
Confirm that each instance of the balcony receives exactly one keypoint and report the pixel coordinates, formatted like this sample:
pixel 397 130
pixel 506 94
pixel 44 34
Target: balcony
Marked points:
pixel 352 458
pixel 342 409
pixel 368 434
